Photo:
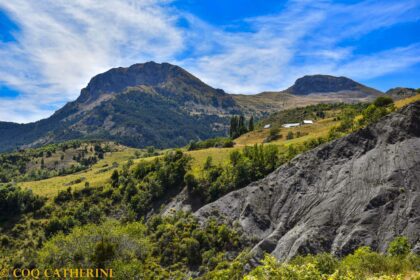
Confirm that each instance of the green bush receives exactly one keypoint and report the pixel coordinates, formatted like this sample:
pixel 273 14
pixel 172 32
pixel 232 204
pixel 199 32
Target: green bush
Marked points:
pixel 253 163
pixel 290 135
pixel 383 101
pixel 362 264
pixel 211 143
pixel 15 201
pixel 273 135
pixel 399 246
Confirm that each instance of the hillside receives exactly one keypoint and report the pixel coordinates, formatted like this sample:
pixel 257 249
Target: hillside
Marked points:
pixel 358 190
pixel 142 105
pixel 53 160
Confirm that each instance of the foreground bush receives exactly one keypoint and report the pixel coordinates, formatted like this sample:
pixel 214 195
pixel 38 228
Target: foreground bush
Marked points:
pixel 362 264
pixel 163 248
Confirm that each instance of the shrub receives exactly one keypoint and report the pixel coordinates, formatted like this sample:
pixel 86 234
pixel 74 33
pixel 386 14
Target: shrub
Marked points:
pixel 273 269
pixel 211 143
pixel 15 201
pixel 63 196
pixel 325 263
pixel 383 101
pixel 289 135
pixel 104 252
pixel 399 246
pixel 364 262
pixel 274 135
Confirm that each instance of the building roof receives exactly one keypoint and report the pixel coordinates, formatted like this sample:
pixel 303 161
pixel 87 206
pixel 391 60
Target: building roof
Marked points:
pixel 290 124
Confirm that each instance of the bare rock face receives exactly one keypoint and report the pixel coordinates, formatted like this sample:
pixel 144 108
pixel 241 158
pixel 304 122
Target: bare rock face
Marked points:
pixel 363 189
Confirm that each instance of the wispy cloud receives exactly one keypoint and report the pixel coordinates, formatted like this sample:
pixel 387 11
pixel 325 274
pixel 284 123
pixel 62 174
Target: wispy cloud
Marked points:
pixel 380 63
pixel 61 44
pixel 304 39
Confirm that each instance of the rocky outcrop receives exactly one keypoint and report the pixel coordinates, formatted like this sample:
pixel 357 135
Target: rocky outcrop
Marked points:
pixel 362 189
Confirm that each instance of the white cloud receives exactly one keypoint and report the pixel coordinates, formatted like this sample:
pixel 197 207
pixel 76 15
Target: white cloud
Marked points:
pixel 61 44
pixel 381 63
pixel 303 39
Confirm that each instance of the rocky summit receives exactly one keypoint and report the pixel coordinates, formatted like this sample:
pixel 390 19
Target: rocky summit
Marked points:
pixel 328 84
pixel 362 189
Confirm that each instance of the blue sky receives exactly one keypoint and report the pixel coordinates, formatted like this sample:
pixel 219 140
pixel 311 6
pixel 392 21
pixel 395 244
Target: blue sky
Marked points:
pixel 50 49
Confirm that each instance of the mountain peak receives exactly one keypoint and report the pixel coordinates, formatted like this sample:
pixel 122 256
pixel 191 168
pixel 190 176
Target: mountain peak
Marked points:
pixel 326 84
pixel 147 74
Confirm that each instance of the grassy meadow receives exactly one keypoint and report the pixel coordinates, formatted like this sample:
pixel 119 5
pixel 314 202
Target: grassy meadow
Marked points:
pixel 98 174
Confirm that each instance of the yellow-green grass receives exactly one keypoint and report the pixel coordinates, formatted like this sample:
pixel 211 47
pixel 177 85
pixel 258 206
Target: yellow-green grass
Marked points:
pixel 51 186
pixel 318 129
pixel 219 156
pixel 403 102
pixel 61 159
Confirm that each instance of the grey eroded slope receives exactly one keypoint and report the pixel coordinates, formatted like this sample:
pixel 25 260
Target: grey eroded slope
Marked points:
pixel 363 189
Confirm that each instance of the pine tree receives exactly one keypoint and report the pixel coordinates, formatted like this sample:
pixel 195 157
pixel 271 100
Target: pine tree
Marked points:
pixel 115 178
pixel 233 131
pixel 251 124
pixel 241 126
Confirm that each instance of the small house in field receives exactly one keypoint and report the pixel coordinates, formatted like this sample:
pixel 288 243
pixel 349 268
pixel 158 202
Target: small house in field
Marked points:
pixel 288 125
pixel 308 122
pixel 267 126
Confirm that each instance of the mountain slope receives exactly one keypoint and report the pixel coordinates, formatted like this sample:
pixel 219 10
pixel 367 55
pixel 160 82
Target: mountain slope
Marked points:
pixel 145 104
pixel 362 189
pixel 308 90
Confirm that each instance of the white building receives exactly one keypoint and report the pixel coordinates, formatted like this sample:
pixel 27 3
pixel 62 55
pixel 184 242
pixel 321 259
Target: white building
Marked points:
pixel 287 125
pixel 267 126
pixel 308 122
